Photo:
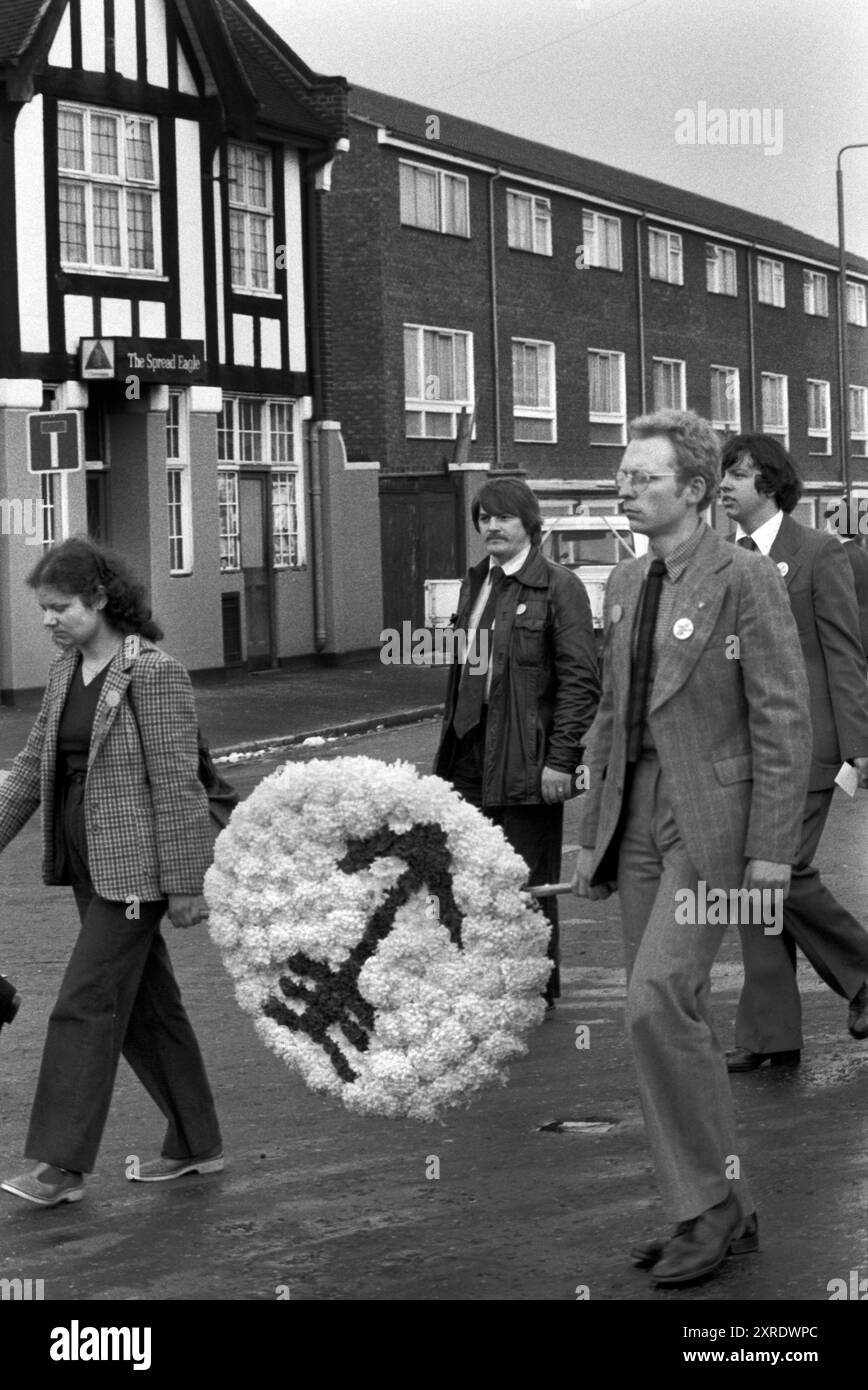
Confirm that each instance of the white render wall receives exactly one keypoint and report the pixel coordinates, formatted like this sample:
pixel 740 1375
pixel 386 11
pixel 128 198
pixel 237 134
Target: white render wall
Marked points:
pixel 30 228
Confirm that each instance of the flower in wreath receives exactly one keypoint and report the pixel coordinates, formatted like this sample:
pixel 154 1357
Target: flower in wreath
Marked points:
pixel 374 926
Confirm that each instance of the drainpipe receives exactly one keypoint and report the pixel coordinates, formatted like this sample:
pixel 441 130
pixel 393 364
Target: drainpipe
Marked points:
pixel 751 336
pixel 495 355
pixel 312 166
pixel 640 305
pixel 320 631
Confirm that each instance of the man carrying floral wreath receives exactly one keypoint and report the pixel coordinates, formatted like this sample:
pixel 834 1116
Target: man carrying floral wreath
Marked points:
pixel 518 707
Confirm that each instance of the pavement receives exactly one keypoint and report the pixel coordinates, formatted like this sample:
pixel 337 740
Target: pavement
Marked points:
pixel 273 709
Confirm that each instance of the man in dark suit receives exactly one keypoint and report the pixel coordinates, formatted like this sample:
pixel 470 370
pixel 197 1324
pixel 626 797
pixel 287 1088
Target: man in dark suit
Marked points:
pixel 760 487
pixel 858 563
pixel 696 784
pixel 515 717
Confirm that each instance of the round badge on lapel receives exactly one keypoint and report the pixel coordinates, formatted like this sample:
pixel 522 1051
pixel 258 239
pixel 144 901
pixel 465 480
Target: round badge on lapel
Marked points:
pixel 112 698
pixel 783 568
pixel 617 613
pixel 522 608
pixel 683 629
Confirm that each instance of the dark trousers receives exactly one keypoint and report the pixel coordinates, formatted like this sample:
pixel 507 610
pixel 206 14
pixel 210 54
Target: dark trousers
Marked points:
pixel 534 831
pixel 769 1017
pixel 119 997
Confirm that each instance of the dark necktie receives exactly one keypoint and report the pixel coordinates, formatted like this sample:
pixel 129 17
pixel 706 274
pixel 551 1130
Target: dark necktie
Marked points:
pixel 471 689
pixel 642 659
pixel 747 543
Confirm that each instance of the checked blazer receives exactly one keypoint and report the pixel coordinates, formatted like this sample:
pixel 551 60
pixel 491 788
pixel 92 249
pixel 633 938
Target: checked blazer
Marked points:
pixel 729 717
pixel 146 812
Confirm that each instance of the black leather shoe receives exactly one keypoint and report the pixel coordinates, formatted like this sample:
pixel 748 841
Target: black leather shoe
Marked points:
pixel 10 1001
pixel 740 1059
pixel 701 1247
pixel 646 1253
pixel 857 1019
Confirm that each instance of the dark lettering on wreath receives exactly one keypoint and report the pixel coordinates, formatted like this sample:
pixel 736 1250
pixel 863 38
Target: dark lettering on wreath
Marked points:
pixel 333 996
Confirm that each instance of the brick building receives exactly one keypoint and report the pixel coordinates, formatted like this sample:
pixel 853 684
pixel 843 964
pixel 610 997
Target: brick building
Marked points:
pixel 556 297
pixel 162 164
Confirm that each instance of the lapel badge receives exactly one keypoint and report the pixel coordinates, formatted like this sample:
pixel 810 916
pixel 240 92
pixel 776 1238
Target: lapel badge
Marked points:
pixel 112 698
pixel 683 629
pixel 522 608
pixel 783 569
pixel 617 613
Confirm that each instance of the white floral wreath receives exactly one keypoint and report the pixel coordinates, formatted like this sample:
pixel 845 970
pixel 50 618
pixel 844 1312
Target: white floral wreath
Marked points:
pixel 374 927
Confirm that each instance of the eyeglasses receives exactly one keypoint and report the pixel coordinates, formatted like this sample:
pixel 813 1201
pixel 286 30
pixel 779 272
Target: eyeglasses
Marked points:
pixel 637 479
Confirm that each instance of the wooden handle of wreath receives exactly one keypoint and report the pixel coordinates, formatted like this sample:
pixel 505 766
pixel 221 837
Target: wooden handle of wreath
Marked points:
pixel 547 890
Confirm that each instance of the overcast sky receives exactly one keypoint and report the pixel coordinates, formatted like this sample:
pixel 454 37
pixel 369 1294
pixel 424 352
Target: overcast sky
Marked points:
pixel 606 79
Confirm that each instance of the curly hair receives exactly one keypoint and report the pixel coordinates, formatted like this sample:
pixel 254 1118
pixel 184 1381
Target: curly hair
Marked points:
pixel 697 447
pixel 81 569
pixel 776 473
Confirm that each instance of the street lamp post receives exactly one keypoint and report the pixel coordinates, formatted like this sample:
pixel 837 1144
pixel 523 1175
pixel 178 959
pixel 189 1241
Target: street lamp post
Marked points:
pixel 842 326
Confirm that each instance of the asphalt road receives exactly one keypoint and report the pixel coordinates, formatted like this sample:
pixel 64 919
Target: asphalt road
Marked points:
pixel 316 1204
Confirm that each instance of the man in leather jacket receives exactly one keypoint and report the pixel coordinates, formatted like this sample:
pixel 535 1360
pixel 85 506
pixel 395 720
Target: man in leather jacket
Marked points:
pixel 516 716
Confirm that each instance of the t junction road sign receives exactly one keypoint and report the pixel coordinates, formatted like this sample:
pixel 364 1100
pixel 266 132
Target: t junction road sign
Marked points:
pixel 54 441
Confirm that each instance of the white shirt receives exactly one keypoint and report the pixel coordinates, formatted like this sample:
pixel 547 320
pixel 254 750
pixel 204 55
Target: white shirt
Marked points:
pixel 509 567
pixel 764 536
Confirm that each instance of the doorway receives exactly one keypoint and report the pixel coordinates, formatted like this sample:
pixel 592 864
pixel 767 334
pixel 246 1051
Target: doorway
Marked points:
pixel 256 566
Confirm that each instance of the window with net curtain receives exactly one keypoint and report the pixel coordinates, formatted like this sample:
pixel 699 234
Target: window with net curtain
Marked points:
pixel 725 410
pixel 819 429
pixel 533 391
pixel 606 397
pixel 816 293
pixel 859 420
pixel 664 256
pixel 720 270
pixel 433 199
pixel 436 380
pixel 667 382
pixel 108 189
pixel 774 404
pixel 528 222
pixel 770 282
pixel 601 237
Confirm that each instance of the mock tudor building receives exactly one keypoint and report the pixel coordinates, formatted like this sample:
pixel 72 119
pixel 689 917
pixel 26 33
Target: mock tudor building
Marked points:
pixel 162 163
pixel 555 297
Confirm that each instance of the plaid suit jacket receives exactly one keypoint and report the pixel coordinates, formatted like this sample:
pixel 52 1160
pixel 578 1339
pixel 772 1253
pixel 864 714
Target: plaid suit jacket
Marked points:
pixel 146 812
pixel 729 714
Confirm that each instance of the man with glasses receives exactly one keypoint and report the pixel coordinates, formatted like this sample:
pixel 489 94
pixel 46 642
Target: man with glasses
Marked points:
pixel 696 782
pixel 759 489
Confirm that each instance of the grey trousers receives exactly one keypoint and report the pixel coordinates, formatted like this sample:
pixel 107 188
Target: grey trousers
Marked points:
pixel 769 1017
pixel 683 1083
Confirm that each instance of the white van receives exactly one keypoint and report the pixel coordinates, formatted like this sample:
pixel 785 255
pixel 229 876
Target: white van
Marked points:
pixel 592 547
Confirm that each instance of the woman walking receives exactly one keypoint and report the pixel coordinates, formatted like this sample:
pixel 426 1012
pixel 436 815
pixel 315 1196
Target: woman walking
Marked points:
pixel 113 759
